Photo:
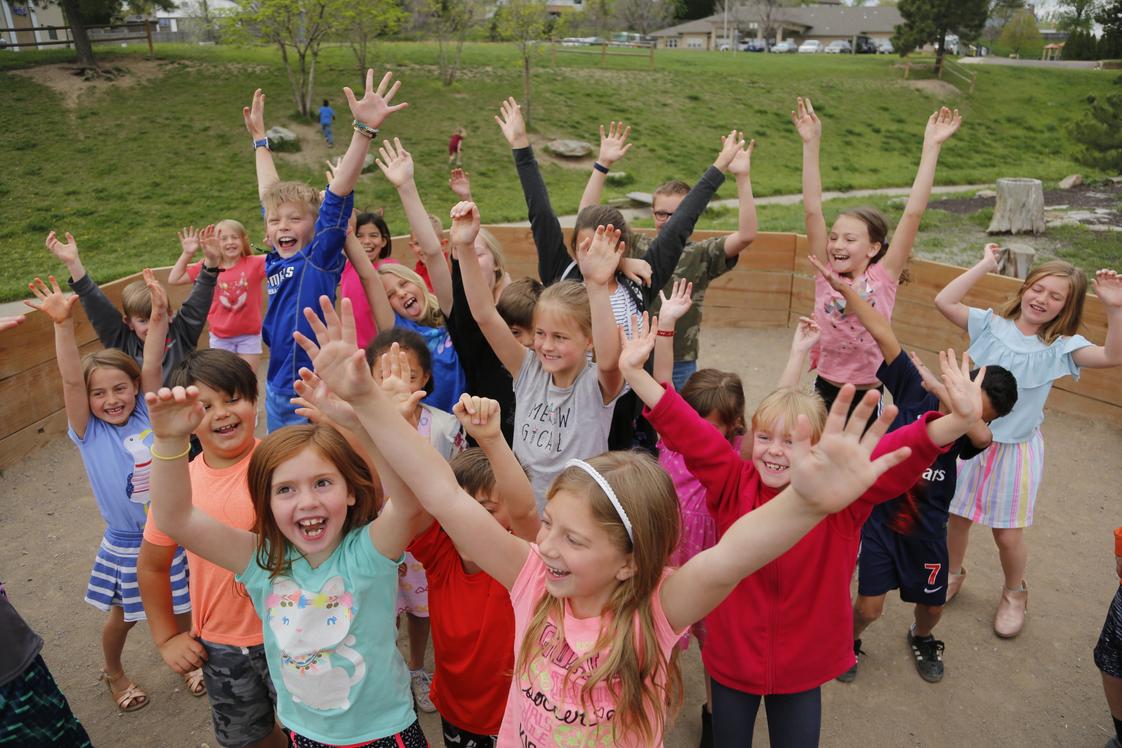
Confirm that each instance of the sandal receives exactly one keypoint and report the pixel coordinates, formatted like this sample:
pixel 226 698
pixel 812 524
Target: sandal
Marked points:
pixel 196 686
pixel 129 700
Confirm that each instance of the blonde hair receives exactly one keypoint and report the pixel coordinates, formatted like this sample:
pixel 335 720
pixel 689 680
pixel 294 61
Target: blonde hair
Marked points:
pixel 281 193
pixel 110 358
pixel 136 300
pixel 786 404
pixel 1069 319
pixel 432 316
pixel 570 299
pixel 496 250
pixel 626 657
pixel 237 228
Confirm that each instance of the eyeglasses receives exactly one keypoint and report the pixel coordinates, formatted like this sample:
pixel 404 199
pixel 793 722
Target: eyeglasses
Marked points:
pixel 663 215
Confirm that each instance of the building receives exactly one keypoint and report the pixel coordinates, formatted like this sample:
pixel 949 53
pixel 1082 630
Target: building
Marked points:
pixel 30 26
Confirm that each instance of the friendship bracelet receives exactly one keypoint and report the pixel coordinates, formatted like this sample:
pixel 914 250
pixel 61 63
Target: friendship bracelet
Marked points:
pixel 365 129
pixel 599 167
pixel 173 458
pixel 665 333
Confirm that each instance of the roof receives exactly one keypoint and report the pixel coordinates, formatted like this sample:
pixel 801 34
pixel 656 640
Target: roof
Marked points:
pixel 816 20
pixel 698 26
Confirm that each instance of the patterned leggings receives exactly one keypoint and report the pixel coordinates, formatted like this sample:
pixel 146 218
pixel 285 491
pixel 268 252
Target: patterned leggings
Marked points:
pixel 34 713
pixel 410 737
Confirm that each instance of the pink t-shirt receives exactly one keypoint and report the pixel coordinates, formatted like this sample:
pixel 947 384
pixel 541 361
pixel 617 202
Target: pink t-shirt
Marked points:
pixel 540 711
pixel 236 309
pixel 350 287
pixel 847 352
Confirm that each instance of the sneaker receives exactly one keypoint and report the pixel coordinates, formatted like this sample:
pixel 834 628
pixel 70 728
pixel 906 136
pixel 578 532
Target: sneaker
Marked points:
pixel 1113 743
pixel 928 654
pixel 851 675
pixel 421 682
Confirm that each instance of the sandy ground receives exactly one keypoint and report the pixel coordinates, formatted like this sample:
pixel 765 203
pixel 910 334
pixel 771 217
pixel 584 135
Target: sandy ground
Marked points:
pixel 1041 689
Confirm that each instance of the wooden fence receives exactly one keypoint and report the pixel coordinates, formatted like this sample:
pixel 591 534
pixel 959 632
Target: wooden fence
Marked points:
pixel 770 287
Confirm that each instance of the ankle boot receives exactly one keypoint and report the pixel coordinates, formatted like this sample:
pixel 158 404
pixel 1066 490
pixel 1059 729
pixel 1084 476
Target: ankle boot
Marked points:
pixel 1010 616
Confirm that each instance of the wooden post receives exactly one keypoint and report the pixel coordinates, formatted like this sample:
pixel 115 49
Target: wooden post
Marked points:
pixel 148 33
pixel 650 57
pixel 1019 208
pixel 603 53
pixel 907 68
pixel 553 54
pixel 973 80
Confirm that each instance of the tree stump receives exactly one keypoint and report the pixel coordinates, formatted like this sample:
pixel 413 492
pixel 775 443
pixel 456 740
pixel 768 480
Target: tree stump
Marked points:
pixel 1016 260
pixel 1019 208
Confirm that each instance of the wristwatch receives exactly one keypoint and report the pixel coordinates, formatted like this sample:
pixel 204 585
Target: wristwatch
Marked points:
pixel 262 143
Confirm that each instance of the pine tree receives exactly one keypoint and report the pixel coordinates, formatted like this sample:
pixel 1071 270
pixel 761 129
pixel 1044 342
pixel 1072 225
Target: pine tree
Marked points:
pixel 929 22
pixel 1099 133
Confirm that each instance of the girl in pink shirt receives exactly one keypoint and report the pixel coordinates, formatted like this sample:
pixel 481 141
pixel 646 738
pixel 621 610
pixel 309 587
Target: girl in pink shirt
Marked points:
pixel 372 237
pixel 857 249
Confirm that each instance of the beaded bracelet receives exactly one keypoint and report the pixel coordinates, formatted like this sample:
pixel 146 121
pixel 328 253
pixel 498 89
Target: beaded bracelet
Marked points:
pixel 172 458
pixel 365 129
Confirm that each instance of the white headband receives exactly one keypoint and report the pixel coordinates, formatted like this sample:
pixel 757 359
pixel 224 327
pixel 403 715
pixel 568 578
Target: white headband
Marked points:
pixel 603 483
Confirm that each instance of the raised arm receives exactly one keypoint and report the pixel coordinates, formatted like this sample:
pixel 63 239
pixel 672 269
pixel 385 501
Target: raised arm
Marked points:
pixel 344 369
pixel 599 257
pixel 481 302
pixel 189 246
pixel 810 131
pixel 190 319
pixel 67 254
pixel 1108 287
pixel 459 181
pixel 747 223
pixel 372 286
pixel 806 337
pixel 961 396
pixel 151 368
pixel 949 300
pixel 872 320
pixel 397 165
pixel 106 319
pixel 481 419
pixel 825 478
pixel 175 413
pixel 613 147
pixel 369 112
pixel 940 127
pixel 671 310
pixel 254 117
pixel 59 308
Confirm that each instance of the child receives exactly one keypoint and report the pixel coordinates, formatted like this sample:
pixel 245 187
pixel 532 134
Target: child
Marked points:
pixel 225 637
pixel 108 421
pixel 787 629
pixel 857 249
pixel 128 332
pixel 371 241
pixel 307 237
pixel 563 401
pixel 415 308
pixel 326 117
pixel 320 569
pixel 904 543
pixel 235 312
pixel 701 262
pixel 1034 336
pixel 1108 650
pixel 456 146
pixel 596 611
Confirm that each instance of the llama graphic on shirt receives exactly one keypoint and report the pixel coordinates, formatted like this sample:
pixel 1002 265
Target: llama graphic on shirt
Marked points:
pixel 232 295
pixel 136 487
pixel 312 632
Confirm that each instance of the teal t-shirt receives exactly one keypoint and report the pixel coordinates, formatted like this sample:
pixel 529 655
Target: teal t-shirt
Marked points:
pixel 330 640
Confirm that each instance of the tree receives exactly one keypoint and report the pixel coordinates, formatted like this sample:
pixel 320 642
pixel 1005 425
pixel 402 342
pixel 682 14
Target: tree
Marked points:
pixel 929 22
pixel 645 16
pixel 523 22
pixel 1110 16
pixel 1081 45
pixel 1021 34
pixel 1099 133
pixel 361 22
pixel 1076 15
pixel 80 14
pixel 450 21
pixel 1000 13
pixel 298 28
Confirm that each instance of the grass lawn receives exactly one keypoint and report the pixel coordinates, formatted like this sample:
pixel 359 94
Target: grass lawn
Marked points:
pixel 130 164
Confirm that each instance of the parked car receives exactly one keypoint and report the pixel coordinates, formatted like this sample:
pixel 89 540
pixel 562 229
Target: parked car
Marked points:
pixel 884 47
pixel 866 46
pixel 784 47
pixel 754 45
pixel 839 47
pixel 810 47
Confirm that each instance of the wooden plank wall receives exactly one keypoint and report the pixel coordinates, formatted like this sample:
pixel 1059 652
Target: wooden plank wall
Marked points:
pixel 770 287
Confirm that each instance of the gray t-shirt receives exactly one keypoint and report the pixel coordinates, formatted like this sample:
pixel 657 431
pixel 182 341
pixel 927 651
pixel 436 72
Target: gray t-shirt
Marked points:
pixel 552 425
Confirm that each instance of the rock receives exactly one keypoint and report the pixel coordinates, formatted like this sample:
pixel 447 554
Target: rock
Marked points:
pixel 1056 207
pixel 368 165
pixel 643 198
pixel 281 135
pixel 1102 228
pixel 1103 211
pixel 901 200
pixel 987 194
pixel 619 177
pixel 1115 180
pixel 569 148
pixel 1072 180
pixel 1062 222
pixel 1083 215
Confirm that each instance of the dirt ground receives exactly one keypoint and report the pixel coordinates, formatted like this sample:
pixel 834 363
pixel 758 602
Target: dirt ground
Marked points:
pixel 1041 689
pixel 1083 197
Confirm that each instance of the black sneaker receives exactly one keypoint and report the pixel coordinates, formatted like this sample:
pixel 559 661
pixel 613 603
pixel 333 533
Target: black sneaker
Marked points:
pixel 851 675
pixel 928 654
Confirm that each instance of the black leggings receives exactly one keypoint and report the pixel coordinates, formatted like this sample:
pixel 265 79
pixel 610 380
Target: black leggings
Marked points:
pixel 794 720
pixel 829 393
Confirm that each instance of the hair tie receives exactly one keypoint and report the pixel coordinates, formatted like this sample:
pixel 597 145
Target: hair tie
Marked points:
pixel 607 489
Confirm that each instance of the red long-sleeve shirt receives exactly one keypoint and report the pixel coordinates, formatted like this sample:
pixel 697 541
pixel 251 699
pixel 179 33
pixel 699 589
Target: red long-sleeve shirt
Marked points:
pixel 788 627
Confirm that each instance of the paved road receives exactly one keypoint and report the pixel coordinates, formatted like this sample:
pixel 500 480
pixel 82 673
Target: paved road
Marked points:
pixel 995 60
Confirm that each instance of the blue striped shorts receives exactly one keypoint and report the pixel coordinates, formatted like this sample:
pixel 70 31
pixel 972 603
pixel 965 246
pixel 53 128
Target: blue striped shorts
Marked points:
pixel 113 577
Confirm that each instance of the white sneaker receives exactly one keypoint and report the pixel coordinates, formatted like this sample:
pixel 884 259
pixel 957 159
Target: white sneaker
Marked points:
pixel 420 682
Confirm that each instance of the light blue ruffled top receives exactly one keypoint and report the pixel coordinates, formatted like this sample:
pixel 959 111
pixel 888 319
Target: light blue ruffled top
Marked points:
pixel 1036 365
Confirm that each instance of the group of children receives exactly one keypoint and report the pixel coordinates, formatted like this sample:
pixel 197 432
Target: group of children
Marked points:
pixel 536 468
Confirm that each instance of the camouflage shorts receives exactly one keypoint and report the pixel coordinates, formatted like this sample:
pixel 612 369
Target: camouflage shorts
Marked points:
pixel 242 697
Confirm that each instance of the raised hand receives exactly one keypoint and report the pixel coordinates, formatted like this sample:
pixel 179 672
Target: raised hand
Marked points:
pixel 336 358
pixel 511 123
pixel 316 402
pixel 637 270
pixel 992 256
pixel 961 395
pixel 188 240
pixel 741 164
pixel 479 416
pixel 8 321
pixel 212 252
pixel 397 383
pixel 460 184
pixel 831 474
pixel 806 121
pixel 828 273
pixel 613 144
pixel 731 144
pixel 598 255
pixel 329 173
pixel 160 303
pixel 465 224
pixel 395 162
pixel 175 412
pixel 680 301
pixel 65 252
pixel 374 106
pixel 941 126
pixel 254 116
pixel 807 335
pixel 51 300
pixel 634 353
pixel 1108 287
